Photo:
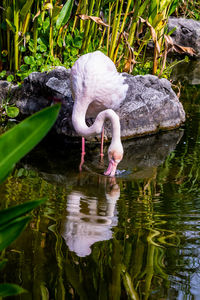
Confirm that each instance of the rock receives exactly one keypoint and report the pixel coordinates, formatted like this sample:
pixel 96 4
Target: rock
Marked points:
pixel 8 91
pixel 41 89
pixel 150 105
pixel 187 33
pixel 187 72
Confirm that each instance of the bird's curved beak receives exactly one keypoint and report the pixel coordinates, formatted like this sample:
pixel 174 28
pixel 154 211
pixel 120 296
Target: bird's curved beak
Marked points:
pixel 111 168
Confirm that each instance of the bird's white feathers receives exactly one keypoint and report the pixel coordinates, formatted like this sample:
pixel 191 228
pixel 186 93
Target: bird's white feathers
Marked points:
pixel 98 89
pixel 94 77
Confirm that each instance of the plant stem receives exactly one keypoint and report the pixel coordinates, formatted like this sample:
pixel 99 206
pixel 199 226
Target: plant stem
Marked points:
pixel 108 29
pixel 51 30
pixel 35 28
pixel 83 10
pixel 92 29
pixel 76 18
pixel 114 29
pixel 122 28
pixel 16 35
pixel 87 26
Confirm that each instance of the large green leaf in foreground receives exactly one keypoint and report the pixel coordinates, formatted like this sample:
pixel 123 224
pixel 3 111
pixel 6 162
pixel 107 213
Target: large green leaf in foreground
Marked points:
pixel 7 289
pixel 18 141
pixel 9 232
pixel 13 212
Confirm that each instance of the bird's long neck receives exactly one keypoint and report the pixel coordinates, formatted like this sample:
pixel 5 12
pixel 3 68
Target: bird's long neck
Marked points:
pixel 78 120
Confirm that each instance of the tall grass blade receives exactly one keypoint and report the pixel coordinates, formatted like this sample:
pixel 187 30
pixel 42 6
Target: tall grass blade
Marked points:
pixel 173 6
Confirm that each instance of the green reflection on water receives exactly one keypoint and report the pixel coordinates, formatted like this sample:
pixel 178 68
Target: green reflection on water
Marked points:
pixel 137 237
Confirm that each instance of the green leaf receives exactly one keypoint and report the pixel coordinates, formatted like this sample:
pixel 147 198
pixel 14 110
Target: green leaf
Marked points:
pixel 38 56
pixel 43 48
pixel 22 172
pixel 173 7
pixel 12 111
pixel 24 68
pixel 18 141
pixel 77 42
pixel 9 214
pixel 46 23
pixel 171 31
pixel 10 231
pixel 11 25
pixel 65 13
pixel 7 289
pixel 3 74
pixel 25 9
pixel 9 13
pixel 10 78
pixel 27 60
pixel 163 5
pixel 55 12
pixel 22 48
pixel 142 8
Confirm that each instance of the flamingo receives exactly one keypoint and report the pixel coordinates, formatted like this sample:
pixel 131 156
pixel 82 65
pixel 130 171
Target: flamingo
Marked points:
pixel 97 90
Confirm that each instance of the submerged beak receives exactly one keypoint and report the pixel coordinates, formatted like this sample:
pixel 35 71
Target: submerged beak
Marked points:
pixel 111 168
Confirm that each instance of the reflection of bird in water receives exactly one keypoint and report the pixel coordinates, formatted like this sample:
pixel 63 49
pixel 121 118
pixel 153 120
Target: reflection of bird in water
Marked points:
pixel 89 220
pixel 98 89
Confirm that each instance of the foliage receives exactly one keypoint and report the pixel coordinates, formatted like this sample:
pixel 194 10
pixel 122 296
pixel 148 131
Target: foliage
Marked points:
pixel 189 9
pixel 7 110
pixel 39 35
pixel 14 144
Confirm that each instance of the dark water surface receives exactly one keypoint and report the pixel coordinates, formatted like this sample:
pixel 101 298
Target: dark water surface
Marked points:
pixel 133 237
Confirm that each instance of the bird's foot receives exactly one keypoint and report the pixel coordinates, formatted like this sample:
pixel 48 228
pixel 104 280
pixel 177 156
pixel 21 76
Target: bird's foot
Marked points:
pixel 101 159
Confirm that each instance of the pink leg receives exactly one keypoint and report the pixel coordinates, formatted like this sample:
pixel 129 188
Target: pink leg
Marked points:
pixel 101 149
pixel 82 154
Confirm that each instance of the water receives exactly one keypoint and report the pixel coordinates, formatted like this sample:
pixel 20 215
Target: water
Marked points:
pixel 133 237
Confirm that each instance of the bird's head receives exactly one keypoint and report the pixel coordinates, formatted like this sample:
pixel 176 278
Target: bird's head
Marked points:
pixel 114 156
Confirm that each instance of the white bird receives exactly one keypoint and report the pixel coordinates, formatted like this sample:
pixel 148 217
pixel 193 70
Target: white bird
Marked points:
pixel 98 89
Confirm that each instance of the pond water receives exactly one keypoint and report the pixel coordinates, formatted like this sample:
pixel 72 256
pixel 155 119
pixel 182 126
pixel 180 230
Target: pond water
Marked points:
pixel 133 237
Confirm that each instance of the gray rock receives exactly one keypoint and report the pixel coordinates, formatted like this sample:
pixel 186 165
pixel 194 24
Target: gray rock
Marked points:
pixel 151 104
pixel 187 33
pixel 8 91
pixel 42 89
pixel 187 72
